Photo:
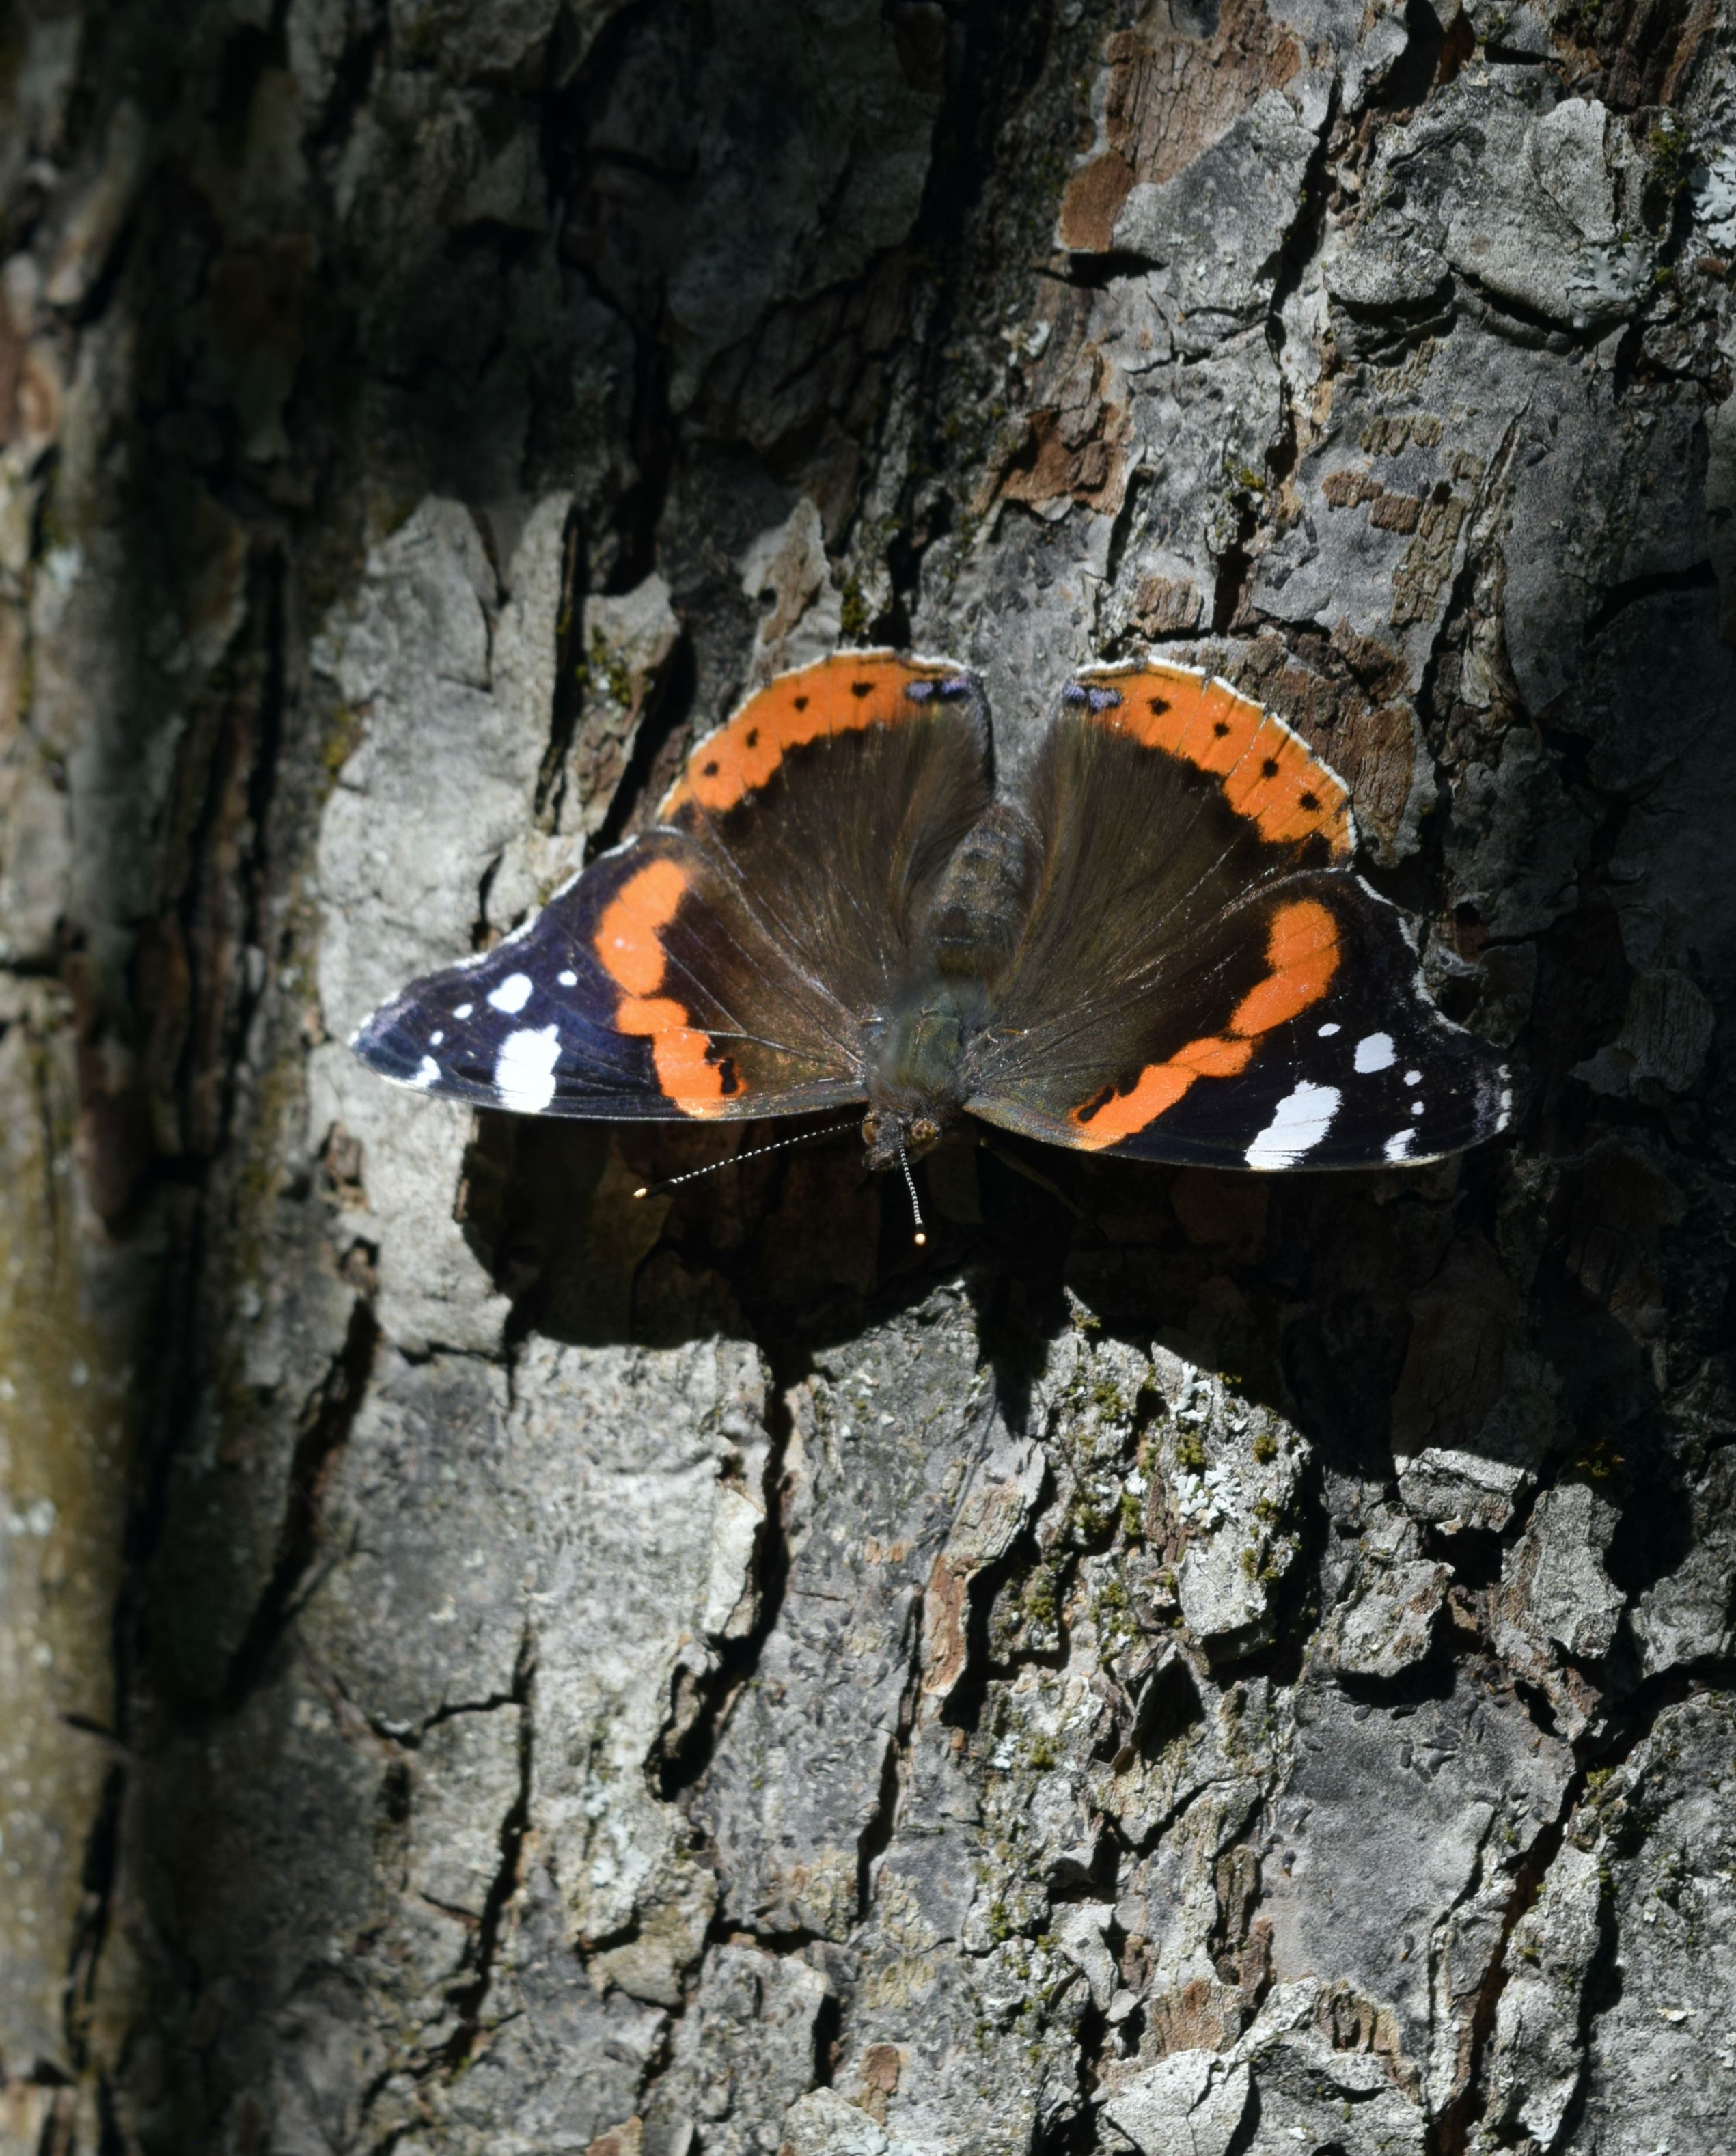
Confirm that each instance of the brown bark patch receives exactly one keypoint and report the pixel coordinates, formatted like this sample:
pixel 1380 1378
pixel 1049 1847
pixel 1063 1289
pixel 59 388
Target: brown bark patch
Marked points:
pixel 882 2066
pixel 1352 2023
pixel 1071 449
pixel 1167 606
pixel 11 372
pixel 1200 2016
pixel 943 1642
pixel 1396 512
pixel 1168 98
pixel 1344 490
pixel 1423 573
pixel 1092 203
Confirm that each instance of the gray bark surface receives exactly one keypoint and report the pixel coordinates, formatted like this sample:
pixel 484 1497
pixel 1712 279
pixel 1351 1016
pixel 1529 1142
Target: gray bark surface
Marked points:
pixel 1245 1669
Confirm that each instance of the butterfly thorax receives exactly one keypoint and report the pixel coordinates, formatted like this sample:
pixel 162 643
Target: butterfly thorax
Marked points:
pixel 917 1067
pixel 919 1071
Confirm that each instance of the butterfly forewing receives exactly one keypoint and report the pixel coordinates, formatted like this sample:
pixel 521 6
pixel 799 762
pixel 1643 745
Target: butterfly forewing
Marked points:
pixel 726 964
pixel 1201 978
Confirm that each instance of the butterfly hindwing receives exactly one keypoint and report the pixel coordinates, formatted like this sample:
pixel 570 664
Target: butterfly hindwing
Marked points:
pixel 1202 978
pixel 725 964
pixel 1290 1031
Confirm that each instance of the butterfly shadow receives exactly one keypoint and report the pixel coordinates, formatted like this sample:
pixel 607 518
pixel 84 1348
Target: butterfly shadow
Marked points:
pixel 652 1235
pixel 802 1247
pixel 1369 1310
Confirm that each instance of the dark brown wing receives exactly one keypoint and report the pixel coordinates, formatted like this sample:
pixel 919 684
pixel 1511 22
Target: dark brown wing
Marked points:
pixel 727 963
pixel 1202 978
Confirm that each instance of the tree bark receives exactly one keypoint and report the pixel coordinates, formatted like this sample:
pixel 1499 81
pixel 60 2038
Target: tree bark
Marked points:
pixel 1201 1664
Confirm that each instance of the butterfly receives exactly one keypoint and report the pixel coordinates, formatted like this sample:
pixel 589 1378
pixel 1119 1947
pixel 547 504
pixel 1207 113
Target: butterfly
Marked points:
pixel 1156 950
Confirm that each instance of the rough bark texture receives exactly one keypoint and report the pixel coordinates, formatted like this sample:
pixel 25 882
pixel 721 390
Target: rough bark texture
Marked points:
pixel 1216 1667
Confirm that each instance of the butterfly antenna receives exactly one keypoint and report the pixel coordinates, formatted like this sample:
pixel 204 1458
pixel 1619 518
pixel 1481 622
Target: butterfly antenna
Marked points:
pixel 910 1184
pixel 730 1159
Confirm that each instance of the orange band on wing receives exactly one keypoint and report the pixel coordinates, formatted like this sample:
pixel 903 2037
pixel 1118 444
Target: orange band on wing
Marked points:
pixel 1302 951
pixel 681 1054
pixel 844 694
pixel 1269 773
pixel 629 941
pixel 1302 948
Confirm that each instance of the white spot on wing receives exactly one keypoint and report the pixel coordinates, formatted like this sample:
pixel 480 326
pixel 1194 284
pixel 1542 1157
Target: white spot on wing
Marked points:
pixel 1329 1028
pixel 1304 1118
pixel 427 1070
pixel 1375 1052
pixel 511 996
pixel 463 1010
pixel 1399 1145
pixel 1412 1077
pixel 435 1038
pixel 568 980
pixel 1416 1107
pixel 525 1069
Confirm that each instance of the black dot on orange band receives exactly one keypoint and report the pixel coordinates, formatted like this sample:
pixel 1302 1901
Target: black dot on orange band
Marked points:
pixel 1268 769
pixel 861 688
pixel 753 737
pixel 712 768
pixel 1220 727
pixel 1159 704
pixel 1309 800
pixel 801 703
pixel 727 1074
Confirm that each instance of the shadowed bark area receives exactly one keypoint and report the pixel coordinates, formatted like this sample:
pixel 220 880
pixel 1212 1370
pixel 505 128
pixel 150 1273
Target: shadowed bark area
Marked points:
pixel 1202 1666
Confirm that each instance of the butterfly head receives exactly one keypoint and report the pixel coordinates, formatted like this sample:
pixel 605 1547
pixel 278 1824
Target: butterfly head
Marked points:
pixel 891 1133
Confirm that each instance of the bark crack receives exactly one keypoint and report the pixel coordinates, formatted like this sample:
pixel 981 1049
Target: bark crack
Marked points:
pixel 469 1999
pixel 690 1738
pixel 326 1430
pixel 1451 2132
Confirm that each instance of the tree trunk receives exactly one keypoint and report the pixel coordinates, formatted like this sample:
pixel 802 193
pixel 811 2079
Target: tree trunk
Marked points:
pixel 1211 1665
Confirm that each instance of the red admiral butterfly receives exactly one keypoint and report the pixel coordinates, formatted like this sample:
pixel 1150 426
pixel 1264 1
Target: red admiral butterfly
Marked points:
pixel 1158 951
